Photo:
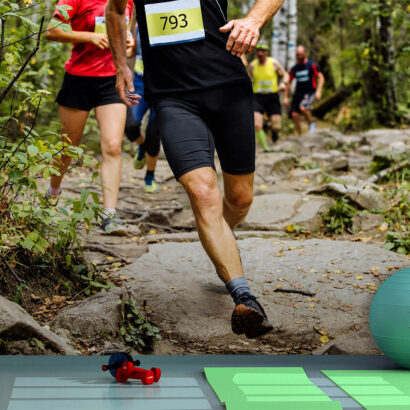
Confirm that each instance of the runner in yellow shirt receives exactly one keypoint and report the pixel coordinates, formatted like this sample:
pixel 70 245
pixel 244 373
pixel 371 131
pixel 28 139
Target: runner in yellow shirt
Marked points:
pixel 264 72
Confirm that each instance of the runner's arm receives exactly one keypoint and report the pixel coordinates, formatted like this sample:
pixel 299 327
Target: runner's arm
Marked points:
pixel 56 34
pixel 117 33
pixel 287 89
pixel 245 32
pixel 283 73
pixel 321 81
pixel 250 70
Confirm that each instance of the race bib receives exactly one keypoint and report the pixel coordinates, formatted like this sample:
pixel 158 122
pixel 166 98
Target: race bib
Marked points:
pixel 139 66
pixel 100 26
pixel 264 86
pixel 173 22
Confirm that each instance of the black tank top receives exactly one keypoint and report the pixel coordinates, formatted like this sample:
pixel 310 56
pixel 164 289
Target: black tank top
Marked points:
pixel 190 66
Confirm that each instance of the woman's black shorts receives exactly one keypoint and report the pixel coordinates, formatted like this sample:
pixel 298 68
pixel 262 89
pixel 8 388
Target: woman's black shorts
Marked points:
pixel 193 124
pixel 85 93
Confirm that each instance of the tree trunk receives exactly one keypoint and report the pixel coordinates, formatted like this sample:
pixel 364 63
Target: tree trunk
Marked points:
pixel 293 33
pixel 334 100
pixel 387 65
pixel 280 35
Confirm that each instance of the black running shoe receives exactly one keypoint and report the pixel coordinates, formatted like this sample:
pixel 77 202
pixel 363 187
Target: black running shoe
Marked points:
pixel 249 317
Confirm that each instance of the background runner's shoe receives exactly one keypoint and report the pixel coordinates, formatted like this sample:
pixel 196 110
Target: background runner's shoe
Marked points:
pixel 112 225
pixel 139 159
pixel 150 186
pixel 249 317
pixel 312 127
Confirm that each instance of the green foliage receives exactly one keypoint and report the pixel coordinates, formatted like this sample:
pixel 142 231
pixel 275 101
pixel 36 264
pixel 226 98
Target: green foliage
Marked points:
pixel 93 280
pixel 366 42
pixel 35 231
pixel 338 219
pixel 398 242
pixel 136 330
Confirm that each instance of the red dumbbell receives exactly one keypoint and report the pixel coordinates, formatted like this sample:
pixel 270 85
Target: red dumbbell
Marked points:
pixel 122 367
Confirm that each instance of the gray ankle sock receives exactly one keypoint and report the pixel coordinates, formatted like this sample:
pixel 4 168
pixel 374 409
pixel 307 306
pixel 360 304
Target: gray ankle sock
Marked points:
pixel 237 287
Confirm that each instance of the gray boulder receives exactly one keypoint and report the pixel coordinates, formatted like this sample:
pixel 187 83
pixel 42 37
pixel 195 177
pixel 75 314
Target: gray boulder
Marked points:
pixel 365 197
pixel 19 327
pixel 95 317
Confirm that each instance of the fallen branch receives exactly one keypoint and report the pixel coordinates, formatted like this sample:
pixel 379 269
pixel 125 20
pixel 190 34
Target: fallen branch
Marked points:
pixel 162 227
pixel 302 292
pixel 102 249
pixel 106 263
pixel 384 172
pixel 11 269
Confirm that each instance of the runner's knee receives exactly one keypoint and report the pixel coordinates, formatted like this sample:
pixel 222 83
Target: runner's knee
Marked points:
pixel 240 199
pixel 295 115
pixel 258 123
pixel 204 192
pixel 111 148
pixel 276 123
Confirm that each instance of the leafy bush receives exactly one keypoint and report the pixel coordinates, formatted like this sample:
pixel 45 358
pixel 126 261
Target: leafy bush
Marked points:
pixel 136 330
pixel 398 242
pixel 338 219
pixel 37 236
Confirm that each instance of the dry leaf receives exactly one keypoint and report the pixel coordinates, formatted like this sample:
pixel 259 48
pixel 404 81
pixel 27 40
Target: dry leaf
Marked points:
pixel 324 339
pixel 359 277
pixel 109 258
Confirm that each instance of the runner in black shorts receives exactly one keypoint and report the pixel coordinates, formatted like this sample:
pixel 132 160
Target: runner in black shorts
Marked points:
pixel 309 84
pixel 264 72
pixel 203 99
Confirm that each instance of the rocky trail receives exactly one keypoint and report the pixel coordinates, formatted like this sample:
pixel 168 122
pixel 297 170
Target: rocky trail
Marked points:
pixel 316 287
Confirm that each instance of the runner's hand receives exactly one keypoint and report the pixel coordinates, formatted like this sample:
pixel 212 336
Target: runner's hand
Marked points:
pixel 130 40
pixel 125 86
pixel 318 95
pixel 244 36
pixel 100 40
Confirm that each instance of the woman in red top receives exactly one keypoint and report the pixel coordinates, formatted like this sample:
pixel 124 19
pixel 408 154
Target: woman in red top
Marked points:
pixel 89 83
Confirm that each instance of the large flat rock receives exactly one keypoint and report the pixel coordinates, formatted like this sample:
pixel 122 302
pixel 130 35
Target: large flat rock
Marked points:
pixel 277 211
pixel 179 283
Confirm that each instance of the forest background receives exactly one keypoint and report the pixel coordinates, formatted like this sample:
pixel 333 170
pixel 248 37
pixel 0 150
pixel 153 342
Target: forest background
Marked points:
pixel 361 46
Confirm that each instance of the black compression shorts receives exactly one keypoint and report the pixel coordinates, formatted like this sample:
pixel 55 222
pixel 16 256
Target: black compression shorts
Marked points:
pixel 85 93
pixel 193 124
pixel 152 143
pixel 267 103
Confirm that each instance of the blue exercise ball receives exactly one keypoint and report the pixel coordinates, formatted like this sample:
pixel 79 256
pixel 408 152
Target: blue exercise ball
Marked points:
pixel 390 317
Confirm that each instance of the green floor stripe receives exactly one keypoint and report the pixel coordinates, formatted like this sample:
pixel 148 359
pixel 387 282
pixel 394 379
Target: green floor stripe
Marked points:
pixel 375 389
pixel 267 388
